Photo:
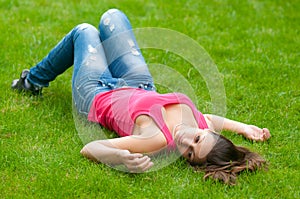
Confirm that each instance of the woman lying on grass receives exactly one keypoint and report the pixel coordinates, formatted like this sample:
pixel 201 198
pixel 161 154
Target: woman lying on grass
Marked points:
pixel 112 86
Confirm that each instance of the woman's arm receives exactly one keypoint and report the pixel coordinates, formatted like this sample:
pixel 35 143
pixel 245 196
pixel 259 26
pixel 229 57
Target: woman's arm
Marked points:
pixel 217 123
pixel 103 151
pixel 147 138
pixel 125 150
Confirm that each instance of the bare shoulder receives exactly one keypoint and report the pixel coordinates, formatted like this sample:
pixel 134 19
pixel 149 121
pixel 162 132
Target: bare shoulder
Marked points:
pixel 209 122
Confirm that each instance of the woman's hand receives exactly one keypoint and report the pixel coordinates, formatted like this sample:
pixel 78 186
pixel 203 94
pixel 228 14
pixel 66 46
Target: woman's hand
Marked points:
pixel 135 162
pixel 255 133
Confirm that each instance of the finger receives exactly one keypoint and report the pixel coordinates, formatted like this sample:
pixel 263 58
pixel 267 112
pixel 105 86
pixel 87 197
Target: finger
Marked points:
pixel 266 133
pixel 255 138
pixel 144 166
pixel 135 159
pixel 138 164
pixel 147 166
pixel 130 160
pixel 132 169
pixel 261 136
pixel 133 156
pixel 135 163
pixel 143 162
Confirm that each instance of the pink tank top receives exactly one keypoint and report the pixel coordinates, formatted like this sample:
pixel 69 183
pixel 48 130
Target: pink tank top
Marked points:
pixel 117 110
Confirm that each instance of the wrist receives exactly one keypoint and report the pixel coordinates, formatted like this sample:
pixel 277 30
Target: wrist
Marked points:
pixel 242 129
pixel 121 154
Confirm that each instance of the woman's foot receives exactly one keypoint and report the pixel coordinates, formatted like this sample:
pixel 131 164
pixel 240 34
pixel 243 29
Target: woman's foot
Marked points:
pixel 22 85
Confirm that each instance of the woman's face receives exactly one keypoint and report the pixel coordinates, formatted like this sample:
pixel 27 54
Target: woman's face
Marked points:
pixel 194 144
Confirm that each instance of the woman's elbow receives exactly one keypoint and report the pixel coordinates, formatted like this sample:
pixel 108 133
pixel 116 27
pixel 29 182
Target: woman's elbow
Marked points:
pixel 87 152
pixel 84 151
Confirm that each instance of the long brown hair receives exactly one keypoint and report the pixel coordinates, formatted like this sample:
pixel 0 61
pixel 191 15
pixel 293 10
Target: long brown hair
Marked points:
pixel 226 160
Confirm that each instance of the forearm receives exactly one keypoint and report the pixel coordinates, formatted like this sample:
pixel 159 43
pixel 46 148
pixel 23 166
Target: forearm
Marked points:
pixel 218 123
pixel 99 152
pixel 106 152
pixel 252 132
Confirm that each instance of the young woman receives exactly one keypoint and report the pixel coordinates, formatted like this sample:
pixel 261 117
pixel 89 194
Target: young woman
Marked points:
pixel 111 85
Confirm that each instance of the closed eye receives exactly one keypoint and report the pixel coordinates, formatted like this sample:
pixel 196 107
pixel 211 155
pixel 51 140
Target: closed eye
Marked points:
pixel 190 154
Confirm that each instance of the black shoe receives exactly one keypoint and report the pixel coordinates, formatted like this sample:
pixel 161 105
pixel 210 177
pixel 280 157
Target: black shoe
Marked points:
pixel 21 86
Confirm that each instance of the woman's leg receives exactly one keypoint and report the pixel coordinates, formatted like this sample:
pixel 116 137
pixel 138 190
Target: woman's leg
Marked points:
pixel 91 73
pixel 122 52
pixel 59 59
pixel 81 47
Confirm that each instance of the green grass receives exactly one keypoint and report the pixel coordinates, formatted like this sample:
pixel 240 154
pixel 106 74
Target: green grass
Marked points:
pixel 255 45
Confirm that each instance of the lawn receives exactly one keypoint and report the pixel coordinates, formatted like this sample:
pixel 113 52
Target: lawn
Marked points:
pixel 255 46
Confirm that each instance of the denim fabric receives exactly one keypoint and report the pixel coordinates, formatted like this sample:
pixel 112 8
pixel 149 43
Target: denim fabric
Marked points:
pixel 103 60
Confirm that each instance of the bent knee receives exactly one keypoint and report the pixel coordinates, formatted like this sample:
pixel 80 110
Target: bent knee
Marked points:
pixel 113 19
pixel 85 26
pixel 86 29
pixel 111 13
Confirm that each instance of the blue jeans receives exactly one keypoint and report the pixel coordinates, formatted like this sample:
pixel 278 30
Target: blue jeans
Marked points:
pixel 103 60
